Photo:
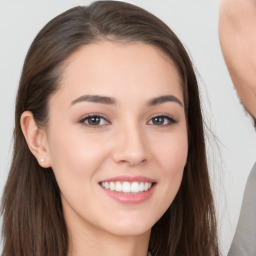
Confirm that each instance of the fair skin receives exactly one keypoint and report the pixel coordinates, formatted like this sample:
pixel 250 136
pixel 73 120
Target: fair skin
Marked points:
pixel 133 135
pixel 237 22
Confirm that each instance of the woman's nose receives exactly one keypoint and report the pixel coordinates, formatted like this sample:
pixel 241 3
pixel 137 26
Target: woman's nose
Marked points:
pixel 131 148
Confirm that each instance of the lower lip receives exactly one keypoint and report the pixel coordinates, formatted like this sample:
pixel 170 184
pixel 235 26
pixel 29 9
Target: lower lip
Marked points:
pixel 130 198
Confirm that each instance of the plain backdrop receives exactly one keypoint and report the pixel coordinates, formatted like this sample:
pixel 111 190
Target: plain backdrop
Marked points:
pixel 231 153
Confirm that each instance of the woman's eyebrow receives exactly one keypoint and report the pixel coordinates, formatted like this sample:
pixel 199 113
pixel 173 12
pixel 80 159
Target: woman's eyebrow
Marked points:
pixel 163 99
pixel 112 101
pixel 96 99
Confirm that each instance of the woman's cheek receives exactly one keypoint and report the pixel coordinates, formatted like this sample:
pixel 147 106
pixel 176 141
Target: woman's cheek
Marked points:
pixel 173 152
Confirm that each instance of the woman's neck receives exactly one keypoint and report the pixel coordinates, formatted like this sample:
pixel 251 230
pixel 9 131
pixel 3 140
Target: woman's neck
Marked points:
pixel 125 246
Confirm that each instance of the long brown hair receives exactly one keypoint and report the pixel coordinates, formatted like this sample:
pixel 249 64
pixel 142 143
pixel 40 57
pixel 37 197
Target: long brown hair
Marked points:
pixel 33 222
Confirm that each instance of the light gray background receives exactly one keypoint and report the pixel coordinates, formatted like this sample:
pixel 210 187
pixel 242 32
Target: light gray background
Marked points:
pixel 196 24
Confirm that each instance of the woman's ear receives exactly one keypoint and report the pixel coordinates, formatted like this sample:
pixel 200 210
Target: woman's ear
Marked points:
pixel 36 139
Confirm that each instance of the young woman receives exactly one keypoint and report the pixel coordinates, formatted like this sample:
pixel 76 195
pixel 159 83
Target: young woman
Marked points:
pixel 109 154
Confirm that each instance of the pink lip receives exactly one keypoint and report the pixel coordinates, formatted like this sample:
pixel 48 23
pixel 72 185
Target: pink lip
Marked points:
pixel 130 198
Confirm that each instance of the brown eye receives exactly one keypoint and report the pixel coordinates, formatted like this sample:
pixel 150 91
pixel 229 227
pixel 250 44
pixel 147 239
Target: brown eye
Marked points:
pixel 94 121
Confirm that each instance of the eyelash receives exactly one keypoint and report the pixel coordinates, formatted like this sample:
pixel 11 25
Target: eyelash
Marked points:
pixel 170 120
pixel 85 120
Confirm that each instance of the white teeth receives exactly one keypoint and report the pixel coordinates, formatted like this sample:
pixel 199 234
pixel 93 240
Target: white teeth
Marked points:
pixel 135 187
pixel 112 186
pixel 141 187
pixel 118 186
pixel 127 187
pixel 107 185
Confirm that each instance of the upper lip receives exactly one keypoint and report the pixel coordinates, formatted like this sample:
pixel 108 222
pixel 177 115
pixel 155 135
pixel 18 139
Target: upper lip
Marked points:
pixel 129 179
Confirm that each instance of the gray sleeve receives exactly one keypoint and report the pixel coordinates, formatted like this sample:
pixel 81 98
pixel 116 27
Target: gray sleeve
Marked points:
pixel 244 242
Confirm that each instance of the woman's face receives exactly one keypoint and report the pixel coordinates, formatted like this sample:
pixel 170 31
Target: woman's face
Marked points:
pixel 117 137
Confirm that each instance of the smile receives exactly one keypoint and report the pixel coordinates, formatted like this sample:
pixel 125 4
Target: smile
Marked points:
pixel 127 187
pixel 129 190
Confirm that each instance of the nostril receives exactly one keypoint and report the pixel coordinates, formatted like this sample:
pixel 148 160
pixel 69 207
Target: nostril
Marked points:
pixel 143 161
pixel 133 162
pixel 130 155
pixel 137 161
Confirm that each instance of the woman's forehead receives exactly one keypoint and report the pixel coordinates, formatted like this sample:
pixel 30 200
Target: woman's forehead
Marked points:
pixel 134 68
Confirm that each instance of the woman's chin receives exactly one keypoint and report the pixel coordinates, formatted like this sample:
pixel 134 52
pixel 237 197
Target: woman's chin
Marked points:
pixel 129 230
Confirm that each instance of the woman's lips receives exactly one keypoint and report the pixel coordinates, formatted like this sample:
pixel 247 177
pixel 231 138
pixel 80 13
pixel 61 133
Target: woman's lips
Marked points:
pixel 126 189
